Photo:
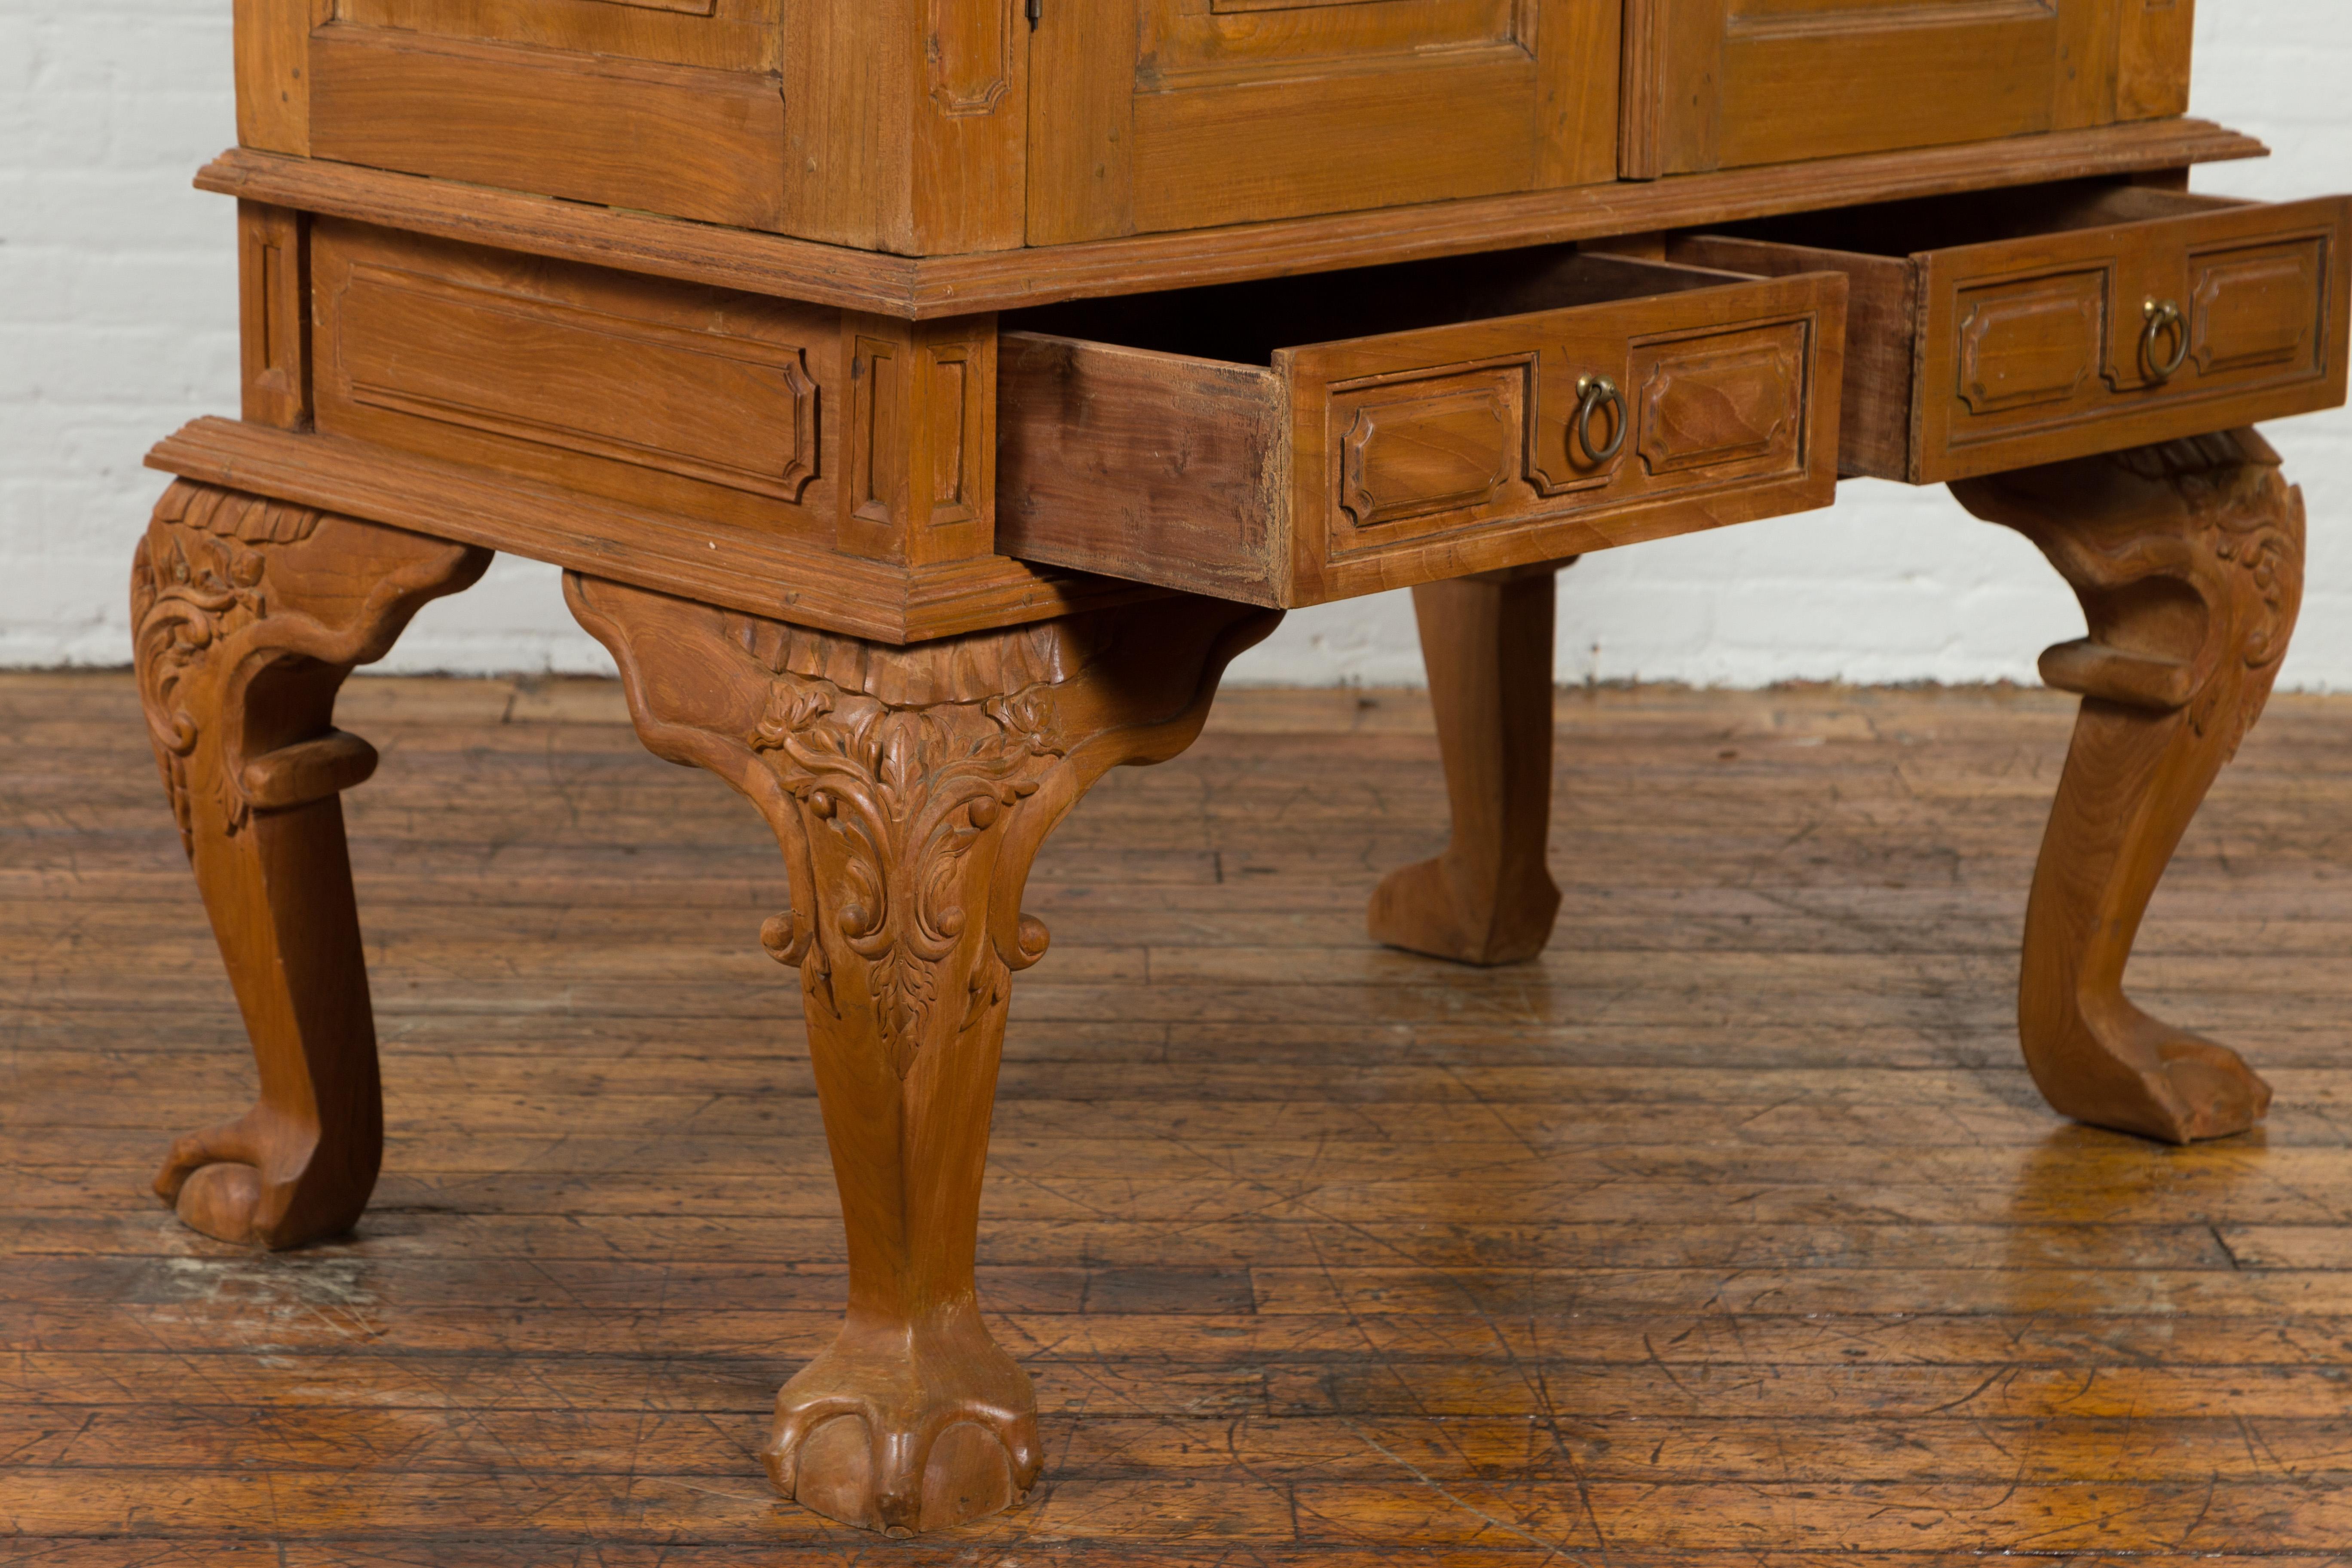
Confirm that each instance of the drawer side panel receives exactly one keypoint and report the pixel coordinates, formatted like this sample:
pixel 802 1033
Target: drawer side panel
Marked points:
pixel 1146 466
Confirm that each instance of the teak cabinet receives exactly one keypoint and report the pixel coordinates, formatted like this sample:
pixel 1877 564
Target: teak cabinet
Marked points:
pixel 926 399
pixel 929 127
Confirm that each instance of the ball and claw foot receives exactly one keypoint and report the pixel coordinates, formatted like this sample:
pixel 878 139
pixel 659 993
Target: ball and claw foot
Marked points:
pixel 907 1431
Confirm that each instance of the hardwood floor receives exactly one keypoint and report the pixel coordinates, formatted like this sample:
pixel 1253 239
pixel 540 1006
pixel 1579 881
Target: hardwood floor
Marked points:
pixel 1730 1232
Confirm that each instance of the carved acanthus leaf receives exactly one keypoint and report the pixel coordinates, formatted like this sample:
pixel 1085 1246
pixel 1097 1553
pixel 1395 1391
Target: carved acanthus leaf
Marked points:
pixel 905 804
pixel 199 578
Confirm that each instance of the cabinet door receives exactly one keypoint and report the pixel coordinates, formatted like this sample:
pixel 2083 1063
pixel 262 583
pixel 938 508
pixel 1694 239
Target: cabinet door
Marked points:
pixel 719 35
pixel 1719 84
pixel 665 105
pixel 1148 115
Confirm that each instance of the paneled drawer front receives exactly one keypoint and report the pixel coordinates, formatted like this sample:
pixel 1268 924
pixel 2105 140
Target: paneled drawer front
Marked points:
pixel 2062 343
pixel 691 400
pixel 1666 400
pixel 2139 316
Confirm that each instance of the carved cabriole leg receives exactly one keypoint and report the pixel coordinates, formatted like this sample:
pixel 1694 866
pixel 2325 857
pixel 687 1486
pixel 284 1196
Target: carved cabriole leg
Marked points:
pixel 249 613
pixel 2187 558
pixel 1489 897
pixel 910 789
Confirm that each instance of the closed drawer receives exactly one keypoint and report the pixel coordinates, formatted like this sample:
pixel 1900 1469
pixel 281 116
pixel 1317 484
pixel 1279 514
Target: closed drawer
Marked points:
pixel 1998 331
pixel 1313 438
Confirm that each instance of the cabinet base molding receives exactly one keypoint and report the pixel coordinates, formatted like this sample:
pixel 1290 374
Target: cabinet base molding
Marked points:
pixel 921 288
pixel 742 568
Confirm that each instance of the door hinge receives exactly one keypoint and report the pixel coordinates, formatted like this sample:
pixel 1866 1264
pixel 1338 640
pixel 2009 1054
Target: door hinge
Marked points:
pixel 1036 14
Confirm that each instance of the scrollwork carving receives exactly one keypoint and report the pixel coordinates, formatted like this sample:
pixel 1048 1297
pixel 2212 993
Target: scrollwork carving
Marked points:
pixel 902 802
pixel 2187 559
pixel 197 580
pixel 247 613
pixel 909 788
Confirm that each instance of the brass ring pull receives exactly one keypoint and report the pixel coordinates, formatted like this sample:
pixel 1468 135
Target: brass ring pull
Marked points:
pixel 2164 315
pixel 1591 392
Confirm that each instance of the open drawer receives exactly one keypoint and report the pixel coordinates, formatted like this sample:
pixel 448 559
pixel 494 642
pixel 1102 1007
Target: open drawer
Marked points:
pixel 1311 438
pixel 2009 328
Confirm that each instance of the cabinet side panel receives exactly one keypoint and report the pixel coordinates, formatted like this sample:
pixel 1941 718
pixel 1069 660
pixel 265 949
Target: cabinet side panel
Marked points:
pixel 1138 465
pixel 2152 58
pixel 689 143
pixel 2083 87
pixel 1577 84
pixel 971 127
pixel 1673 87
pixel 273 96
pixel 847 107
pixel 1082 123
pixel 906 124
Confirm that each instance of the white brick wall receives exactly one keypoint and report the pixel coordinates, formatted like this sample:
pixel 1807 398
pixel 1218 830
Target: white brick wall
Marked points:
pixel 117 322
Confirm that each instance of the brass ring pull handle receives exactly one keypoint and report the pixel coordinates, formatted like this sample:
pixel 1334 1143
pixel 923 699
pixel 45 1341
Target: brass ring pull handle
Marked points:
pixel 1591 392
pixel 2163 316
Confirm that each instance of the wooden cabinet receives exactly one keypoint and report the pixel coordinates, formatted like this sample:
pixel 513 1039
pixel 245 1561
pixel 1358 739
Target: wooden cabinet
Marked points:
pixel 1166 114
pixel 890 125
pixel 876 369
pixel 939 127
pixel 1293 442
pixel 1720 84
pixel 908 125
pixel 2007 329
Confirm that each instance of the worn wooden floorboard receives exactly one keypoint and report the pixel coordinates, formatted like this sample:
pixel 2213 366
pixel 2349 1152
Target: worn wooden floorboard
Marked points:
pixel 1729 1233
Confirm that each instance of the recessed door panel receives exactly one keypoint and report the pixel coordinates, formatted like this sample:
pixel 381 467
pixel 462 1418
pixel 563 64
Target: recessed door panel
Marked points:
pixel 1719 84
pixel 1148 115
pixel 720 35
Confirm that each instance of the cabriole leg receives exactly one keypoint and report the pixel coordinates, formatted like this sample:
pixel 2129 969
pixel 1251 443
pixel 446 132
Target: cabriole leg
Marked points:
pixel 2187 558
pixel 910 789
pixel 249 613
pixel 1489 897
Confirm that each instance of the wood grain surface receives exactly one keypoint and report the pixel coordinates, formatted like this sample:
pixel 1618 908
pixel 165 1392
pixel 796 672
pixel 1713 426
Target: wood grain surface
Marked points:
pixel 1729 1233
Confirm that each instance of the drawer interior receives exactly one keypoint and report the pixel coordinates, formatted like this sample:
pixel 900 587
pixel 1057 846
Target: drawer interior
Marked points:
pixel 1977 217
pixel 1247 324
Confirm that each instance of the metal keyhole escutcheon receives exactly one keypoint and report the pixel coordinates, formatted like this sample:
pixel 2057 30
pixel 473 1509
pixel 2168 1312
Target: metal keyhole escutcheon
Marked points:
pixel 2163 316
pixel 1593 393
